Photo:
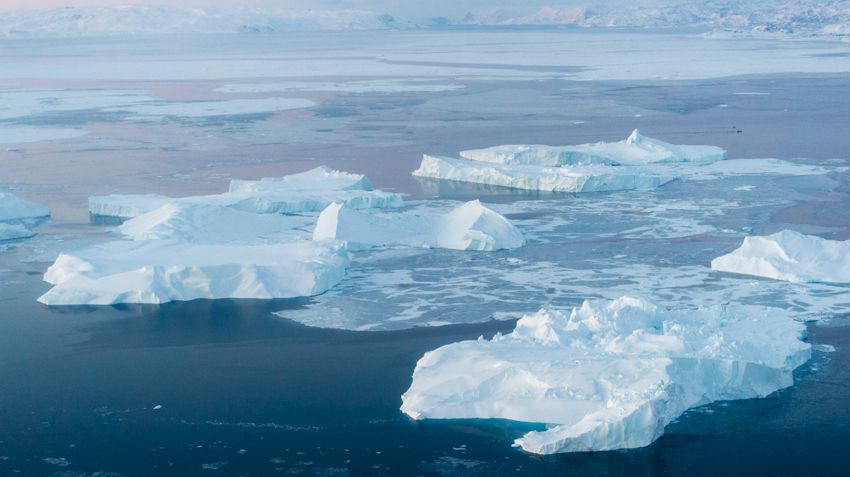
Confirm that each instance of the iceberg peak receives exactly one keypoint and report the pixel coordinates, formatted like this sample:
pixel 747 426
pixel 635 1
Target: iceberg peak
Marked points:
pixel 635 137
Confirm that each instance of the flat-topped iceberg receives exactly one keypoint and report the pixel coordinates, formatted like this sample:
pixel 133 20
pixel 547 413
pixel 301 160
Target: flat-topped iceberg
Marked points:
pixel 789 256
pixel 158 271
pixel 309 191
pixel 595 178
pixel 470 226
pixel 17 216
pixel 634 150
pixel 611 374
pixel 204 223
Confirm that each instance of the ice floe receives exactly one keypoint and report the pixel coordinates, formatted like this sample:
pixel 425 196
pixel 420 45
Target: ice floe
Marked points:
pixel 611 374
pixel 470 226
pixel 789 256
pixel 309 191
pixel 158 271
pixel 17 216
pixel 637 149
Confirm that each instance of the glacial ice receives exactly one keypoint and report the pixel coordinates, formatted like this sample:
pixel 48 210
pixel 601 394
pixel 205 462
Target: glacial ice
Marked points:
pixel 309 191
pixel 158 271
pixel 470 226
pixel 17 216
pixel 611 374
pixel 593 178
pixel 634 150
pixel 789 256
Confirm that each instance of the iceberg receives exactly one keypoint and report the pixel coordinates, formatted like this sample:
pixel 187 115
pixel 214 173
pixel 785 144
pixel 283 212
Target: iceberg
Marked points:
pixel 634 150
pixel 596 178
pixel 14 231
pixel 17 216
pixel 204 223
pixel 306 192
pixel 470 226
pixel 611 374
pixel 159 271
pixel 789 256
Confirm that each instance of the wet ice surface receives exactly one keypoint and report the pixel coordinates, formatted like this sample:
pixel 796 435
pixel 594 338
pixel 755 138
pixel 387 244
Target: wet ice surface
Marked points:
pixel 241 387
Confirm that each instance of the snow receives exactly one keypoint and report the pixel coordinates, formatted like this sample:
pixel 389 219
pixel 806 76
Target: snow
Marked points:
pixel 470 226
pixel 595 178
pixel 204 223
pixel 310 191
pixel 158 271
pixel 635 150
pixel 789 256
pixel 611 374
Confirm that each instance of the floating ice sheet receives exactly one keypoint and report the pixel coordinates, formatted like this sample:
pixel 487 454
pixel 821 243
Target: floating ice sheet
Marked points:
pixel 611 374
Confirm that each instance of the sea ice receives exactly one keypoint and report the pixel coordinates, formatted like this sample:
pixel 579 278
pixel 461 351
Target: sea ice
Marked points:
pixel 309 191
pixel 635 150
pixel 611 374
pixel 593 178
pixel 470 226
pixel 158 271
pixel 17 216
pixel 14 231
pixel 789 256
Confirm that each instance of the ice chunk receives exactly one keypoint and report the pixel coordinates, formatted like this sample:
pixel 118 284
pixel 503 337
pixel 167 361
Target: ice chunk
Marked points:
pixel 13 207
pixel 14 231
pixel 635 150
pixel 203 223
pixel 598 178
pixel 611 374
pixel 158 271
pixel 310 191
pixel 789 256
pixel 470 226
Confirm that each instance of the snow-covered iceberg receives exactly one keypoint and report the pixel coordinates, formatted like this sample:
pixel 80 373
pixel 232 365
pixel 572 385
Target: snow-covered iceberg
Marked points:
pixel 309 191
pixel 634 150
pixel 789 256
pixel 17 216
pixel 158 271
pixel 611 374
pixel 204 223
pixel 470 226
pixel 594 178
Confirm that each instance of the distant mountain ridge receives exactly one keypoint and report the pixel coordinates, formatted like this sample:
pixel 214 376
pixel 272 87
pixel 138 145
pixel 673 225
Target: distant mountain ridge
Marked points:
pixel 824 17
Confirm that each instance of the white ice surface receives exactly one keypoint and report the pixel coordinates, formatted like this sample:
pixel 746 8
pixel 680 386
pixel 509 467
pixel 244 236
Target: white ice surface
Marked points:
pixel 309 191
pixel 592 178
pixel 634 150
pixel 789 256
pixel 13 207
pixel 158 271
pixel 611 374
pixel 470 226
pixel 27 134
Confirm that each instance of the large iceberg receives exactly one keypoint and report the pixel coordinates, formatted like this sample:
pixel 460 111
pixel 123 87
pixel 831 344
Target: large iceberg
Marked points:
pixel 158 271
pixel 309 191
pixel 17 216
pixel 789 256
pixel 634 150
pixel 611 374
pixel 596 178
pixel 470 226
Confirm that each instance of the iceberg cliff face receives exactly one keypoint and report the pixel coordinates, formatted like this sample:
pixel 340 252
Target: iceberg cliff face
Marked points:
pixel 158 271
pixel 309 191
pixel 470 226
pixel 789 256
pixel 611 374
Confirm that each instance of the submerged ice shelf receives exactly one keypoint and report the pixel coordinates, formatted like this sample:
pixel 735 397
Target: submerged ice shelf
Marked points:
pixel 470 226
pixel 309 191
pixel 611 374
pixel 158 271
pixel 789 256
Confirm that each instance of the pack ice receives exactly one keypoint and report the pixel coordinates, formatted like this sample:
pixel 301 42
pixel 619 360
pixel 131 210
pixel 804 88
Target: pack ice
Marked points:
pixel 17 216
pixel 470 226
pixel 597 167
pixel 309 191
pixel 789 256
pixel 611 374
